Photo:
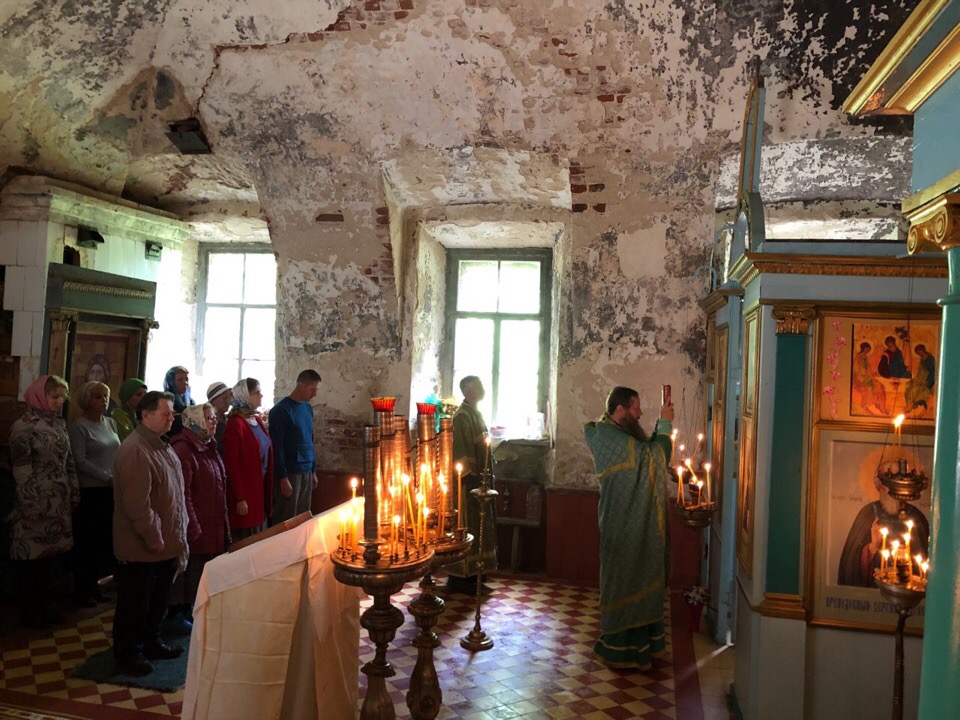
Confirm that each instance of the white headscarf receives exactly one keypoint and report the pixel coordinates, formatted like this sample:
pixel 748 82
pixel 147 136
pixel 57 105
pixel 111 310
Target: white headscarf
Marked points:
pixel 241 396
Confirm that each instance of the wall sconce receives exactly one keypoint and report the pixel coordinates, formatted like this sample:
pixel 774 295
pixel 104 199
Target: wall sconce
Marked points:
pixel 153 250
pixel 88 238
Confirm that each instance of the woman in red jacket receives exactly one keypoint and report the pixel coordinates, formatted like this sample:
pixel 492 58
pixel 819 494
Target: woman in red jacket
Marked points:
pixel 248 455
pixel 205 494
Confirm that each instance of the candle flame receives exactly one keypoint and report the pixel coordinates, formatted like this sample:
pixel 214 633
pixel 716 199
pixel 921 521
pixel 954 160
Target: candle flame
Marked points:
pixel 679 470
pixel 925 566
pixel 343 515
pixel 682 448
pixel 489 440
pixel 673 435
pixel 688 462
pixel 459 468
pixel 405 479
pixel 700 436
pixel 424 468
pixel 884 531
pixel 909 524
pixel 896 545
pixel 886 554
pixel 699 483
pixel 707 466
pixel 419 498
pixel 396 519
pixel 919 558
pixel 906 538
pixel 898 420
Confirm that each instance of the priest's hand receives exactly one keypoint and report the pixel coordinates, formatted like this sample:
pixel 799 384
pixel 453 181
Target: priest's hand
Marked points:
pixel 666 412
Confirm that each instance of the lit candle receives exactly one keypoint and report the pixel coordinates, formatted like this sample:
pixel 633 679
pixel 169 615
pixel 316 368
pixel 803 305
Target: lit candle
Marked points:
pixel 674 433
pixel 396 534
pixel 706 467
pixel 884 559
pixel 444 509
pixel 906 546
pixel 883 535
pixel 461 510
pixel 699 442
pixel 680 486
pixel 420 526
pixel 897 422
pixel 405 480
pixel 486 465
pixel 353 535
pixel 343 529
pixel 924 568
pixel 894 552
pixel 919 558
pixel 699 490
pixel 682 448
pixel 426 513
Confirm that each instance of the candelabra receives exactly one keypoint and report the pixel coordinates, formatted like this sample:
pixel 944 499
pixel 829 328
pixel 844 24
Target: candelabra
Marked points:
pixel 895 577
pixel 477 640
pixel 697 513
pixel 409 530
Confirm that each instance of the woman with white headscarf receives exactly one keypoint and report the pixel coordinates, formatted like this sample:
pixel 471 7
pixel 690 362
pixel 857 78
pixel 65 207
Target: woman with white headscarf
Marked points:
pixel 248 455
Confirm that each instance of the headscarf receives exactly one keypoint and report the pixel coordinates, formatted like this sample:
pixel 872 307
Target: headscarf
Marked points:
pixel 128 389
pixel 241 402
pixel 170 385
pixel 36 396
pixel 195 419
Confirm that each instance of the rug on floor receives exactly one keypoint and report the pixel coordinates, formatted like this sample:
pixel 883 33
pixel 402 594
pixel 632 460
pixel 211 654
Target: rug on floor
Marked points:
pixel 167 675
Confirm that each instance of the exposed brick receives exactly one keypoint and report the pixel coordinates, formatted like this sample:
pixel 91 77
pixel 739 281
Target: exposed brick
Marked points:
pixel 600 207
pixel 371 5
pixel 382 211
pixel 406 4
pixel 339 26
pixel 597 187
pixel 557 42
pixel 330 217
pixel 400 14
pixel 606 97
pixel 579 207
pixel 578 188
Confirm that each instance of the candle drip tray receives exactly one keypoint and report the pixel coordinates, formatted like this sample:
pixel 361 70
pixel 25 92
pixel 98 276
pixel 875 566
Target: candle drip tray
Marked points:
pixel 697 516
pixel 905 596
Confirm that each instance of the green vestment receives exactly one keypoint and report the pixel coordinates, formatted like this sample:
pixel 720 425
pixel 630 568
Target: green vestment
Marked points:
pixel 633 541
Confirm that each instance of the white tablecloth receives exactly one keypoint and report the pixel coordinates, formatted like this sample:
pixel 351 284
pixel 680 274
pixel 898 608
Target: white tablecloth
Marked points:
pixel 275 635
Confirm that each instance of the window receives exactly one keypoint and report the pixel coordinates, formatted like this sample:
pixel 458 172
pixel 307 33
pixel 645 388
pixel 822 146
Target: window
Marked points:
pixel 498 323
pixel 237 319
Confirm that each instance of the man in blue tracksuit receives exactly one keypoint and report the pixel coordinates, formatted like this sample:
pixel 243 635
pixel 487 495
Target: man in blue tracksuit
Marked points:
pixel 291 431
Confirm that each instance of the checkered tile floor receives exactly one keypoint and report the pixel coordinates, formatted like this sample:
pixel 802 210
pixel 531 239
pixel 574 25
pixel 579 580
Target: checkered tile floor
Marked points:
pixel 541 666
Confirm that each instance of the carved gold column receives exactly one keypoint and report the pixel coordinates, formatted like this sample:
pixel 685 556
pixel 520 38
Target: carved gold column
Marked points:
pixel 935 225
pixel 782 596
pixel 61 325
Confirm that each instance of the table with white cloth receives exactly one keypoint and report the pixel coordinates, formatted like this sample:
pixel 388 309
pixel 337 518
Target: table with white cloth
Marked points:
pixel 274 634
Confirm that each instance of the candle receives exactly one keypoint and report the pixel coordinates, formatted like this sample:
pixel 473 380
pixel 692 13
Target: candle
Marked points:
pixel 699 490
pixel 353 535
pixel 680 485
pixel 924 567
pixel 884 559
pixel 396 534
pixel 894 552
pixel 444 509
pixel 426 513
pixel 405 480
pixel 460 508
pixel 897 422
pixel 420 526
pixel 682 448
pixel 706 467
pixel 674 433
pixel 353 489
pixel 919 558
pixel 883 535
pixel 486 465
pixel 699 442
pixel 906 546
pixel 343 529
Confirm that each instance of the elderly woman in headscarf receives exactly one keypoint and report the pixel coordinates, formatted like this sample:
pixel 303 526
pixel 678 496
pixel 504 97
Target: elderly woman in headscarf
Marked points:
pixel 177 382
pixel 248 454
pixel 205 494
pixel 125 414
pixel 94 443
pixel 46 493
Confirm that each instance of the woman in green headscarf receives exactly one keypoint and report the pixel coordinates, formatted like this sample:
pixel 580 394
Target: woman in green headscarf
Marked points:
pixel 125 414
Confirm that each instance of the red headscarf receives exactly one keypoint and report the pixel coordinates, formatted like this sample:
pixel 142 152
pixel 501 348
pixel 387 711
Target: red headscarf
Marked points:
pixel 36 395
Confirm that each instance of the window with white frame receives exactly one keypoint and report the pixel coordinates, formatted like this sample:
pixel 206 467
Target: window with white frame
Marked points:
pixel 498 328
pixel 236 314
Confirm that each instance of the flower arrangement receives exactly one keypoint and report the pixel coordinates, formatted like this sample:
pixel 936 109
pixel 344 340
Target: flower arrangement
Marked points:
pixel 696 595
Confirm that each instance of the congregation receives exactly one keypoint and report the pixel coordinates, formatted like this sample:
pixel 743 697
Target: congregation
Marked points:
pixel 149 492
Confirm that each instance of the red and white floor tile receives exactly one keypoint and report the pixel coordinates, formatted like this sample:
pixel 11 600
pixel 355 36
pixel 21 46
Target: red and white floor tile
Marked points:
pixel 541 666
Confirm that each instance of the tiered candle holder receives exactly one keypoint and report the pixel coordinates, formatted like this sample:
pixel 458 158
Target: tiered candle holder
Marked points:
pixel 896 579
pixel 698 512
pixel 409 530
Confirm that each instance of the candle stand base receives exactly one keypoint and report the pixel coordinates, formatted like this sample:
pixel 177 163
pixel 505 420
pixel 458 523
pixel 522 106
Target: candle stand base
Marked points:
pixel 380 620
pixel 906 597
pixel 697 516
pixel 425 697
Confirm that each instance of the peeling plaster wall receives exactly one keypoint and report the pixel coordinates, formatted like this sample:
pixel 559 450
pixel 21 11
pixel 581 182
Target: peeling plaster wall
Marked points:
pixel 305 100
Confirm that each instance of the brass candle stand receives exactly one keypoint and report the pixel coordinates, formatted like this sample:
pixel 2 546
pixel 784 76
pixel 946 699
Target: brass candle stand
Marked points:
pixel 897 582
pixel 425 697
pixel 477 640
pixel 697 516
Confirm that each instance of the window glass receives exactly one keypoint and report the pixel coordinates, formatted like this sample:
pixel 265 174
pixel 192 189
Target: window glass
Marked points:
pixel 473 355
pixel 258 333
pixel 260 280
pixel 264 371
pixel 225 278
pixel 519 287
pixel 221 332
pixel 476 290
pixel 517 389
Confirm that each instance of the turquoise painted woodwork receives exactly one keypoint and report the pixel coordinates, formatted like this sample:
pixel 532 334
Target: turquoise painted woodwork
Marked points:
pixel 786 478
pixel 940 676
pixel 936 144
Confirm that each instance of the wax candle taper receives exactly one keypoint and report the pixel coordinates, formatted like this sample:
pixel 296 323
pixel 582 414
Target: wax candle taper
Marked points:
pixel 353 488
pixel 706 467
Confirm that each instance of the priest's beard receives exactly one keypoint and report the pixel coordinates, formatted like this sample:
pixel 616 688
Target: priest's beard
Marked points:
pixel 632 426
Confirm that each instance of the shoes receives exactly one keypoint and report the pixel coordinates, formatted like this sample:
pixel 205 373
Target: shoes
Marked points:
pixel 137 666
pixel 159 650
pixel 177 625
pixel 84 601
